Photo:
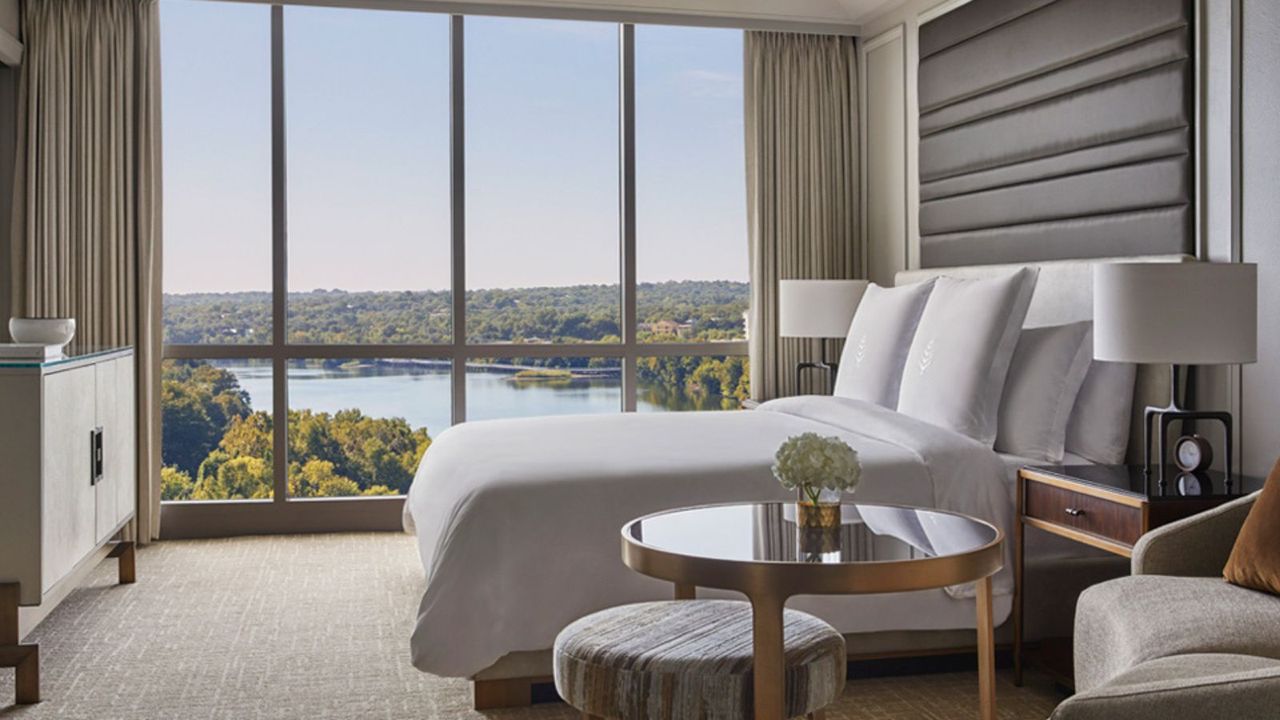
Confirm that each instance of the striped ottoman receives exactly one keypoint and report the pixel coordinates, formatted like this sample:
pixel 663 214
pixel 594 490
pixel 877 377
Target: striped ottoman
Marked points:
pixel 687 660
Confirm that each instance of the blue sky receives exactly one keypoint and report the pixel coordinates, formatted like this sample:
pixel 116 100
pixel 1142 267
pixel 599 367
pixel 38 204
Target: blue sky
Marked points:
pixel 367 121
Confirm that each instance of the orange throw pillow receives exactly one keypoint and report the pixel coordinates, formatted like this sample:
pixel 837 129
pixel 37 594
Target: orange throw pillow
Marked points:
pixel 1255 559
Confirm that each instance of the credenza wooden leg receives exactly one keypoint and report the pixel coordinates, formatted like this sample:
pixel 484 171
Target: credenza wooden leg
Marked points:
pixel 27 676
pixel 126 552
pixel 24 659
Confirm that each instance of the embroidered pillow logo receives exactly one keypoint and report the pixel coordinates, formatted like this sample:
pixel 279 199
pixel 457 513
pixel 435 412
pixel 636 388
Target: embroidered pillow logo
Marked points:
pixel 861 352
pixel 926 357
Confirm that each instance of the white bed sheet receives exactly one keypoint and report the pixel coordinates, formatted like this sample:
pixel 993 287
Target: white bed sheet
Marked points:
pixel 517 520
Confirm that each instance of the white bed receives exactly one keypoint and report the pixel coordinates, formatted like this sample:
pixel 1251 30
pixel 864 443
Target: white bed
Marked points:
pixel 517 521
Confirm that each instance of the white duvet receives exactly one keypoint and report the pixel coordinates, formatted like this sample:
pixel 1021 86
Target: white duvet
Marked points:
pixel 518 520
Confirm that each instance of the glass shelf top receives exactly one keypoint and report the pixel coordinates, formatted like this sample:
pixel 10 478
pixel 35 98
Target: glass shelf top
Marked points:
pixel 1175 486
pixel 767 532
pixel 73 354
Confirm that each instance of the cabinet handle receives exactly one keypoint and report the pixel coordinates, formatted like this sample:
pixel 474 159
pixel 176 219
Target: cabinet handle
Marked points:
pixel 1075 512
pixel 95 456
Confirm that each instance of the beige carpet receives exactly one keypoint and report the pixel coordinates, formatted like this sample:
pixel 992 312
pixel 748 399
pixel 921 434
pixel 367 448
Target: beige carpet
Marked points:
pixel 317 627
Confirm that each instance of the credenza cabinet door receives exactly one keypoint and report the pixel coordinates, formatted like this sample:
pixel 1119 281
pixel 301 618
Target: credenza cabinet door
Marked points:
pixel 122 446
pixel 114 414
pixel 106 400
pixel 69 498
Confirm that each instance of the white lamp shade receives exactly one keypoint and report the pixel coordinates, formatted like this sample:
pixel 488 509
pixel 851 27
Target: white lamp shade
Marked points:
pixel 818 308
pixel 1195 313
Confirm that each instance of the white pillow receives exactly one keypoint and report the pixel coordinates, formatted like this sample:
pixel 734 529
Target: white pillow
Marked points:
pixel 1045 375
pixel 878 342
pixel 1099 426
pixel 955 371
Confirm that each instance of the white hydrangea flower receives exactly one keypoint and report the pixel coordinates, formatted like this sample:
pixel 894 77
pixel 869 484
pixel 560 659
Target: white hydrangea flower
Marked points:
pixel 810 463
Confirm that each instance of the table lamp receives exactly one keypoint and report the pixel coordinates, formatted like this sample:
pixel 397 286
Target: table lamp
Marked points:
pixel 1194 313
pixel 818 309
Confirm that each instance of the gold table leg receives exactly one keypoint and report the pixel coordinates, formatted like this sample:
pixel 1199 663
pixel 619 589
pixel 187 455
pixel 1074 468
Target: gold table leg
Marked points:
pixel 770 669
pixel 686 592
pixel 986 652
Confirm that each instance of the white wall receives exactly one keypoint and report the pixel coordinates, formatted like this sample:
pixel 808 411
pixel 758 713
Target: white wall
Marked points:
pixel 1260 226
pixel 884 211
pixel 10 19
pixel 889 55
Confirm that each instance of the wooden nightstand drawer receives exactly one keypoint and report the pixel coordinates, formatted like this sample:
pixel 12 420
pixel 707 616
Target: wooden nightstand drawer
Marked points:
pixel 1087 513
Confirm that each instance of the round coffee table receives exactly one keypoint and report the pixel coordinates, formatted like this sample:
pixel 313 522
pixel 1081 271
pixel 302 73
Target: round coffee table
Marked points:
pixel 757 549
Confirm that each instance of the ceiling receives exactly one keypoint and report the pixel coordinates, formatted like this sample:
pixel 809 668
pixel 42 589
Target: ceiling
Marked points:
pixel 835 16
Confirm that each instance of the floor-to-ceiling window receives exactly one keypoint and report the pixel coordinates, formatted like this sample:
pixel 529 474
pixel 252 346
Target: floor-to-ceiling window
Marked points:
pixel 379 224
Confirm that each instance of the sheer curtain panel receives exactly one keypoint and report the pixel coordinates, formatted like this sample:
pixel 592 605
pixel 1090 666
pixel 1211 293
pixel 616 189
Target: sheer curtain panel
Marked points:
pixel 802 185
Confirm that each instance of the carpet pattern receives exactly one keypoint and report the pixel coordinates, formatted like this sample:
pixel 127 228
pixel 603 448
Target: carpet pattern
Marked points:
pixel 317 626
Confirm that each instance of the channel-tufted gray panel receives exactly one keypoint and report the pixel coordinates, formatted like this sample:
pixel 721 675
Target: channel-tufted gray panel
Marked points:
pixel 1056 129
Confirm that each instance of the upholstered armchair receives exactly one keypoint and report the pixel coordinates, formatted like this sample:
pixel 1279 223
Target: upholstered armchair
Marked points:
pixel 1174 639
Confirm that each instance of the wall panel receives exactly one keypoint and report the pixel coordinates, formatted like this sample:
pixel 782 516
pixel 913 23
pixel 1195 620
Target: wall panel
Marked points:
pixel 884 66
pixel 1053 130
pixel 1260 154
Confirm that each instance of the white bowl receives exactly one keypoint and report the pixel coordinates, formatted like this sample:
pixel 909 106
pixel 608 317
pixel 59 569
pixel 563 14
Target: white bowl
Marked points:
pixel 42 331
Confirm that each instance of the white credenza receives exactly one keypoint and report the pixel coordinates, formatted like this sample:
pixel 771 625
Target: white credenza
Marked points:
pixel 68 479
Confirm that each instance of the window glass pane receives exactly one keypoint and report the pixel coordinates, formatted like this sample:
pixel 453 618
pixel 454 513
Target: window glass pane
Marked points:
pixel 529 387
pixel 216 91
pixel 692 383
pixel 542 180
pixel 360 427
pixel 367 115
pixel 216 442
pixel 691 217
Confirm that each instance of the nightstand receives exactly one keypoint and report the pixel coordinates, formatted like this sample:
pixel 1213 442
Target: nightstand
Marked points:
pixel 1107 507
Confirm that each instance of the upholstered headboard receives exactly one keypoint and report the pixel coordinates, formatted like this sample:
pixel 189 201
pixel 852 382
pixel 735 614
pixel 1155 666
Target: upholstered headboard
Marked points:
pixel 1059 129
pixel 1064 294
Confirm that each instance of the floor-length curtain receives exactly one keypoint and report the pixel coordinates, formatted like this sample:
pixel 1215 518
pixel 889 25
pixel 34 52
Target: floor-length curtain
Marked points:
pixel 86 235
pixel 802 185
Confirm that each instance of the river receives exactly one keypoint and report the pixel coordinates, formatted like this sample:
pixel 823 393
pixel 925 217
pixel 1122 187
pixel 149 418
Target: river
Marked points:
pixel 421 395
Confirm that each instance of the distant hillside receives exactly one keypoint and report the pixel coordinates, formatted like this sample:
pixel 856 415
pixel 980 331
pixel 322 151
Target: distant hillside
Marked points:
pixel 693 310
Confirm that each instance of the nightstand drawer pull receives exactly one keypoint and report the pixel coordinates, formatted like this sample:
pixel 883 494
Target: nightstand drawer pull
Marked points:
pixel 1074 512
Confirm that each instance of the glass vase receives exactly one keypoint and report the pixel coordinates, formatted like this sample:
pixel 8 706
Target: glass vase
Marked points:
pixel 823 514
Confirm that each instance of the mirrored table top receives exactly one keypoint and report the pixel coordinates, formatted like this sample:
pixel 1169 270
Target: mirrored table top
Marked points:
pixel 767 532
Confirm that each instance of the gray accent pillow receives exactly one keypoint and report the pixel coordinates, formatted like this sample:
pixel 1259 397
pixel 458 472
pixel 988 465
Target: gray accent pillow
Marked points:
pixel 1098 429
pixel 879 339
pixel 955 371
pixel 1045 375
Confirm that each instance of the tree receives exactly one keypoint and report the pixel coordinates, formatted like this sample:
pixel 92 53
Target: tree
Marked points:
pixel 199 401
pixel 175 484
pixel 317 479
pixel 248 436
pixel 238 478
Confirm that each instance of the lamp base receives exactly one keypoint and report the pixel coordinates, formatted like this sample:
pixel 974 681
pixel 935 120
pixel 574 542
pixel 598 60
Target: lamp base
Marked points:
pixel 1166 416
pixel 829 367
pixel 822 364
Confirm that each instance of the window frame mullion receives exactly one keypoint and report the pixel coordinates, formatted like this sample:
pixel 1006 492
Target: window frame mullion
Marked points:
pixel 458 216
pixel 627 209
pixel 279 264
